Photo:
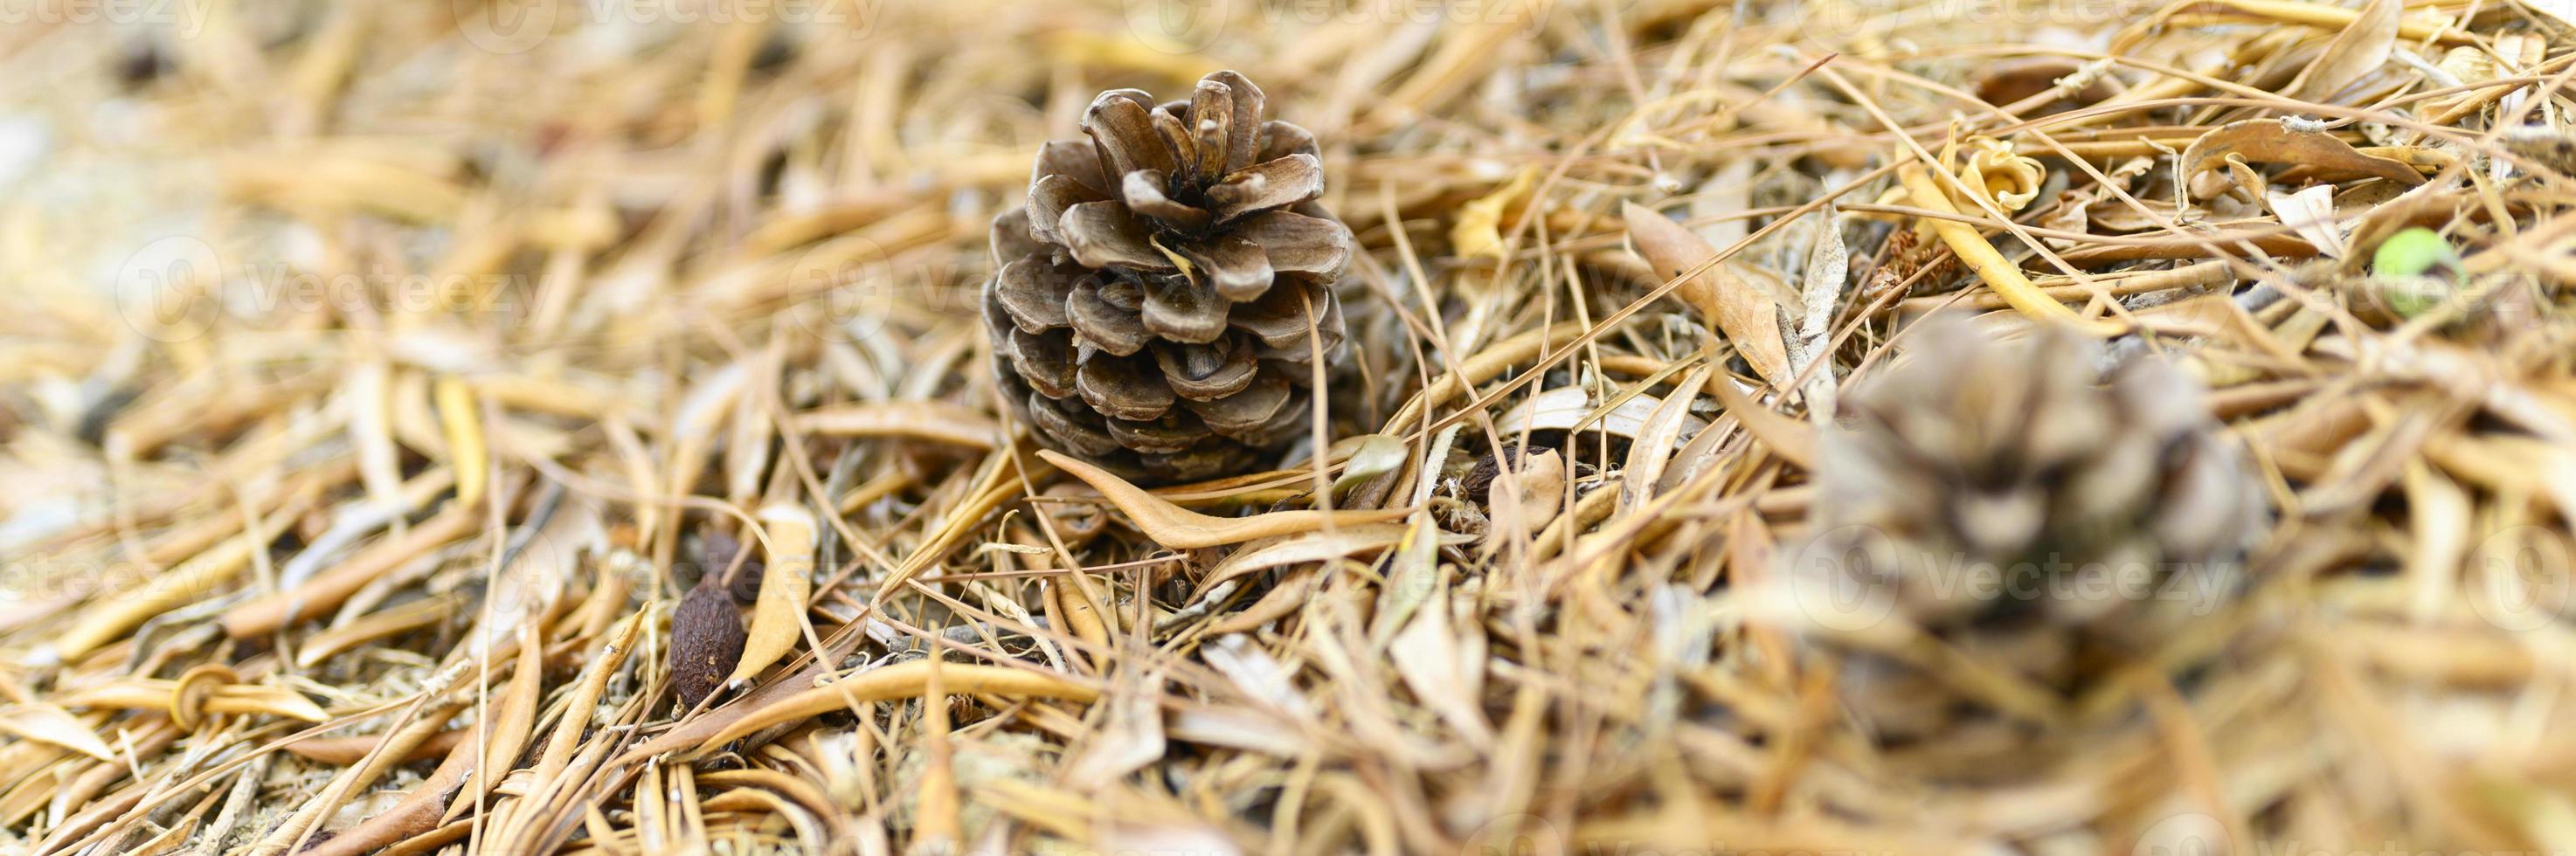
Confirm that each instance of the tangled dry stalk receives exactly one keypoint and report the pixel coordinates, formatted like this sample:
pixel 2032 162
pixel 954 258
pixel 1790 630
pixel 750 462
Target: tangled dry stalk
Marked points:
pixel 381 374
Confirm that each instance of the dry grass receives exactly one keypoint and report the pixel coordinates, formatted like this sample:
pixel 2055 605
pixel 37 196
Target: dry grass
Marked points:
pixel 381 550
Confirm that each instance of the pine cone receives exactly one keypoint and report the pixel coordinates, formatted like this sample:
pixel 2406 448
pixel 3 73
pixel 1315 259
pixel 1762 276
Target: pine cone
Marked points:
pixel 1150 310
pixel 1994 498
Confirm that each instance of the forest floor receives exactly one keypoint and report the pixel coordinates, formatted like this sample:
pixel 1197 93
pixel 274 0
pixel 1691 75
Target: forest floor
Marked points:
pixel 386 372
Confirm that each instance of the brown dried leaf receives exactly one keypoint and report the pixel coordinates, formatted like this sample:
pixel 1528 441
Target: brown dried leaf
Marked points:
pixel 2356 51
pixel 1661 433
pixel 2271 141
pixel 1749 318
pixel 1787 437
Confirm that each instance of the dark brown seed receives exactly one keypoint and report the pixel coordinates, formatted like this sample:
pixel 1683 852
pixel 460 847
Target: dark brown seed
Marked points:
pixel 706 641
pixel 1478 486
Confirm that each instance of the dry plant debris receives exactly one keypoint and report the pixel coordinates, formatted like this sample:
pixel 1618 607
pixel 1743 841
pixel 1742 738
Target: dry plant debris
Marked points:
pixel 388 384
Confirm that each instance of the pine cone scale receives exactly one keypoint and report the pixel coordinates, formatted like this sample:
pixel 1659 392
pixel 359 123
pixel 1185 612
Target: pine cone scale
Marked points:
pixel 1275 184
pixel 1074 161
pixel 1124 388
pixel 1106 234
pixel 1022 289
pixel 1119 123
pixel 1105 316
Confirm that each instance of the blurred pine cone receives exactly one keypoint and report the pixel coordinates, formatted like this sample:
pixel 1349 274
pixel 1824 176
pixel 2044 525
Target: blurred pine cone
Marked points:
pixel 1991 496
pixel 1151 306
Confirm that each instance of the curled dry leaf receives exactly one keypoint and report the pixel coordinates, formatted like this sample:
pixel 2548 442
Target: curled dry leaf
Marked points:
pixel 778 616
pixel 2271 141
pixel 1479 230
pixel 1749 318
pixel 1989 169
pixel 1182 529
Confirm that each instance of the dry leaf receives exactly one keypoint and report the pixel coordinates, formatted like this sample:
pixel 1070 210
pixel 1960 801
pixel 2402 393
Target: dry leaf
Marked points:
pixel 1377 455
pixel 902 680
pixel 1130 738
pixel 1301 549
pixel 462 419
pixel 1182 529
pixel 1541 478
pixel 2356 51
pixel 1661 433
pixel 224 698
pixel 2272 141
pixel 1431 661
pixel 937 421
pixel 1997 272
pixel 1992 171
pixel 45 723
pixel 1479 230
pixel 778 616
pixel 2311 213
pixel 1787 437
pixel 1749 318
pixel 1820 287
pixel 1567 408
